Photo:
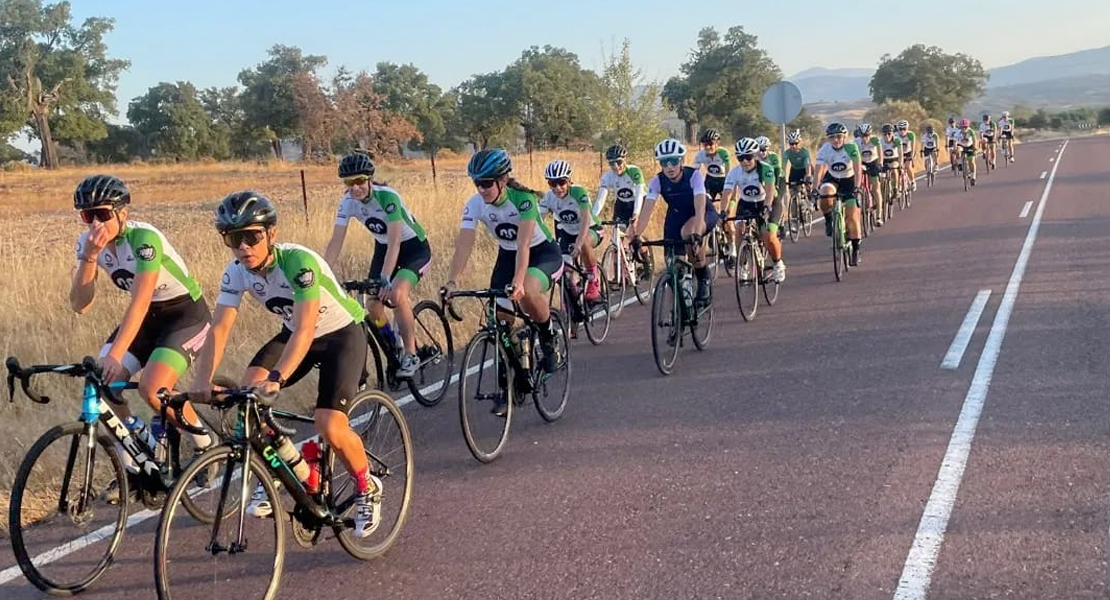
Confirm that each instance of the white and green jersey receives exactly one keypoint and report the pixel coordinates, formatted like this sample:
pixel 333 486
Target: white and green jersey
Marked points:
pixel 930 141
pixel 869 149
pixel 382 207
pixel 840 163
pixel 141 248
pixel 716 164
pixel 986 129
pixel 1006 125
pixel 566 209
pixel 297 274
pixel 908 141
pixel 753 184
pixel 892 148
pixel 966 138
pixel 627 187
pixel 503 217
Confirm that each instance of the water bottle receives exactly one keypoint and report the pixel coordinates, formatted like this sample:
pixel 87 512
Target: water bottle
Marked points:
pixel 288 453
pixel 140 430
pixel 312 453
pixel 157 431
pixel 523 346
pixel 687 290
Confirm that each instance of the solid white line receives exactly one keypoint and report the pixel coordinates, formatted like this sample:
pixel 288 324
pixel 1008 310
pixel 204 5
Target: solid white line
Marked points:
pixel 1025 210
pixel 922 559
pixel 963 336
pixel 1045 174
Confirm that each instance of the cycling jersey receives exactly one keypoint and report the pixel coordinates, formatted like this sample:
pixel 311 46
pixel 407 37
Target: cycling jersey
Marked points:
pixel 930 141
pixel 752 184
pixel 869 149
pixel 908 141
pixel 141 248
pixel 773 159
pixel 381 207
pixel 679 196
pixel 839 162
pixel 716 164
pixel 798 159
pixel 503 217
pixel 952 132
pixel 628 187
pixel 986 130
pixel 892 148
pixel 297 274
pixel 1006 124
pixel 966 140
pixel 566 209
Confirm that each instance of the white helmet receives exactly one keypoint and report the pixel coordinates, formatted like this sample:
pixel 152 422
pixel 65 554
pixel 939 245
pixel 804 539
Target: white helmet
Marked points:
pixel 903 124
pixel 557 169
pixel 746 146
pixel 670 148
pixel 1005 114
pixel 794 137
pixel 763 141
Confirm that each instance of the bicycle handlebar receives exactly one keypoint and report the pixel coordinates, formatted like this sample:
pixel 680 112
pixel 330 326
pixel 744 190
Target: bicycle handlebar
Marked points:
pixel 370 287
pixel 87 367
pixel 222 399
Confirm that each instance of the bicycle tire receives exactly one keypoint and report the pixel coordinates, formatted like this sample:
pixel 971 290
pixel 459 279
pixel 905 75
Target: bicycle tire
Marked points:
pixel 807 221
pixel 645 270
pixel 747 280
pixel 469 408
pixel 665 354
pixel 613 272
pixel 548 412
pixel 373 440
pixel 701 328
pixel 838 249
pixel 712 255
pixel 375 359
pixel 770 289
pixel 794 223
pixel 599 317
pixel 433 347
pixel 35 573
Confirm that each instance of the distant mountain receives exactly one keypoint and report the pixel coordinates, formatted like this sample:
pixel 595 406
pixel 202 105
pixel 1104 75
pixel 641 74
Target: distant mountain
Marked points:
pixel 1085 62
pixel 823 72
pixel 1058 93
pixel 833 88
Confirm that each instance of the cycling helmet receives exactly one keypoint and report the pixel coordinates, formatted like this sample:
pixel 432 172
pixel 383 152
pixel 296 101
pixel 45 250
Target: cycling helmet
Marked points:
pixel 836 129
pixel 887 128
pixel 794 137
pixel 746 146
pixel 669 148
pixel 240 210
pixel 1005 114
pixel 986 116
pixel 616 152
pixel 903 124
pixel 928 129
pixel 951 120
pixel 356 163
pixel 865 129
pixel 98 190
pixel 965 122
pixel 764 142
pixel 710 135
pixel 490 163
pixel 557 169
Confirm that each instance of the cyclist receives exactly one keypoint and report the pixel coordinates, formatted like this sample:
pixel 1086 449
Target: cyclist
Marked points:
pixel 570 205
pixel 930 145
pixel 753 181
pixel 625 181
pixel 892 149
pixel 321 327
pixel 909 143
pixel 401 251
pixel 799 167
pixel 951 133
pixel 689 214
pixel 1006 130
pixel 527 257
pixel 165 323
pixel 716 161
pixel 838 163
pixel 987 131
pixel 966 143
pixel 870 149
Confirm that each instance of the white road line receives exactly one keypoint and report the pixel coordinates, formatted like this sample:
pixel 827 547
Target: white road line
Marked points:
pixel 1025 210
pixel 1045 174
pixel 963 335
pixel 922 559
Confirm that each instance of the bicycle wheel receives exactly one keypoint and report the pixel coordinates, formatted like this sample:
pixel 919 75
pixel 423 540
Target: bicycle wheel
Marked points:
pixel 186 564
pixel 51 505
pixel 436 351
pixel 666 324
pixel 712 255
pixel 644 268
pixel 701 328
pixel 807 220
pixel 770 290
pixel 553 390
pixel 484 378
pixel 967 180
pixel 613 272
pixel 747 280
pixel 598 316
pixel 385 436
pixel 375 360
pixel 838 248
pixel 794 223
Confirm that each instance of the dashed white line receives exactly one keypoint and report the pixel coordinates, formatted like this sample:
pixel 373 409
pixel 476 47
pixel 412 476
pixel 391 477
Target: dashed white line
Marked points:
pixel 917 573
pixel 963 335
pixel 1045 174
pixel 1025 210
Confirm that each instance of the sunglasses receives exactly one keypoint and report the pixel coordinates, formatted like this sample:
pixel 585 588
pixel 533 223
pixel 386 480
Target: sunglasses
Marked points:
pixel 557 182
pixel 356 180
pixel 234 239
pixel 744 157
pixel 669 162
pixel 793 143
pixel 485 184
pixel 616 163
pixel 97 214
pixel 827 196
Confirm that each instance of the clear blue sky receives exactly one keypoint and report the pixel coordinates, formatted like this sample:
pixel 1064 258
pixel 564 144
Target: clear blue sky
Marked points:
pixel 208 42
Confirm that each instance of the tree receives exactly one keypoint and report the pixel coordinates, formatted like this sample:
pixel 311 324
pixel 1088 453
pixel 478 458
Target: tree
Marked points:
pixel 941 83
pixel 811 127
pixel 627 110
pixel 57 79
pixel 122 143
pixel 1104 117
pixel 9 153
pixel 227 120
pixel 267 96
pixel 315 113
pixel 555 98
pixel 362 121
pixel 676 97
pixel 408 93
pixel 174 124
pixel 483 113
pixel 894 110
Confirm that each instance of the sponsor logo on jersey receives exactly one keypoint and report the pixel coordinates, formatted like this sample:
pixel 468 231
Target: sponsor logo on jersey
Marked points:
pixel 506 231
pixel 304 278
pixel 752 191
pixel 109 260
pixel 568 216
pixel 624 194
pixel 227 278
pixel 526 206
pixel 376 225
pixel 839 167
pixel 146 252
pixel 391 207
pixel 259 288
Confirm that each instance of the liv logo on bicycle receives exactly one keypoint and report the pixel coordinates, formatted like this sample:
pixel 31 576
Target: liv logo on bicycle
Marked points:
pixel 270 454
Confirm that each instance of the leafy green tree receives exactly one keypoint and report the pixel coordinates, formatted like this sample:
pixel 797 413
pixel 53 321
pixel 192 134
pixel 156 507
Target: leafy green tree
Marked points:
pixel 676 97
pixel 122 144
pixel 627 109
pixel 9 153
pixel 1104 117
pixel 55 77
pixel 172 119
pixel 813 130
pixel 228 121
pixel 408 93
pixel 361 119
pixel 267 98
pixel 941 83
pixel 555 97
pixel 484 115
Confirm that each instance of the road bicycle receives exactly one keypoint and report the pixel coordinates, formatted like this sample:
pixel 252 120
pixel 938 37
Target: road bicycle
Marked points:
pixel 501 368
pixel 674 308
pixel 890 178
pixel 435 348
pixel 800 212
pixel 752 272
pixel 622 269
pixel 841 246
pixel 1007 151
pixel 226 557
pixel 930 167
pixel 73 482
pixel 596 316
pixel 963 166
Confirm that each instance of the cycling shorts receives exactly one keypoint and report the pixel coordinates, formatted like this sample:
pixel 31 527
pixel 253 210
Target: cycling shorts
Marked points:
pixel 746 210
pixel 545 262
pixel 172 332
pixel 872 168
pixel 797 176
pixel 951 143
pixel 892 164
pixel 1007 135
pixel 968 150
pixel 340 356
pixel 672 226
pixel 413 260
pixel 714 187
pixel 929 151
pixel 567 240
pixel 907 158
pixel 624 211
pixel 988 138
pixel 845 188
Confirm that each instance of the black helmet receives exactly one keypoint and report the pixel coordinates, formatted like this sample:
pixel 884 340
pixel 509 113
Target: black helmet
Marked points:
pixel 710 135
pixel 356 163
pixel 616 152
pixel 490 163
pixel 98 190
pixel 888 128
pixel 243 209
pixel 836 129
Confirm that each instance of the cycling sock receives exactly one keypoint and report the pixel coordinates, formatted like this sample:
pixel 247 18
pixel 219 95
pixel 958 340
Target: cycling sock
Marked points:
pixel 544 331
pixel 855 244
pixel 362 480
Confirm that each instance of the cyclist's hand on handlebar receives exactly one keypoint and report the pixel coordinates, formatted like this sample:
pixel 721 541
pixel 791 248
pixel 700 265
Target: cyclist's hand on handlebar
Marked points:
pixel 635 243
pixel 516 289
pixel 267 387
pixel 447 289
pixel 110 369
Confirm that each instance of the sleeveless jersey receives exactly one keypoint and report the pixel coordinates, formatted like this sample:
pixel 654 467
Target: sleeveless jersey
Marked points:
pixel 679 195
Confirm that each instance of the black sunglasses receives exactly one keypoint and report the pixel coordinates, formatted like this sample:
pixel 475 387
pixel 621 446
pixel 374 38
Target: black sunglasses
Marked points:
pixel 485 184
pixel 557 182
pixel 614 163
pixel 97 214
pixel 746 157
pixel 234 239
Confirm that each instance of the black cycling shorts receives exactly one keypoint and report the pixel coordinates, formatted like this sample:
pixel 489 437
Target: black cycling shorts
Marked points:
pixel 1007 135
pixel 871 168
pixel 544 259
pixel 797 177
pixel 567 240
pixel 675 220
pixel 745 210
pixel 172 332
pixel 845 188
pixel 413 258
pixel 951 143
pixel 988 138
pixel 340 356
pixel 624 211
pixel 714 187
pixel 929 151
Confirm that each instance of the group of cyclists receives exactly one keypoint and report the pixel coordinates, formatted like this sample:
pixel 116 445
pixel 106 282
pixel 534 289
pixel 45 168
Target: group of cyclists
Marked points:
pixel 964 141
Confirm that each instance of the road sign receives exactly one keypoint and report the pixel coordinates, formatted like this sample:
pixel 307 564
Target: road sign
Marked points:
pixel 782 102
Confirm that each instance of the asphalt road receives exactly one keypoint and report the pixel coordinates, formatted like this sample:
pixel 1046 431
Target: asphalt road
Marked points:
pixel 795 457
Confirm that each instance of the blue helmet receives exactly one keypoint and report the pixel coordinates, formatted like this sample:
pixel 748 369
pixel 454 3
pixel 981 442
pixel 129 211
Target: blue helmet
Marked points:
pixel 490 163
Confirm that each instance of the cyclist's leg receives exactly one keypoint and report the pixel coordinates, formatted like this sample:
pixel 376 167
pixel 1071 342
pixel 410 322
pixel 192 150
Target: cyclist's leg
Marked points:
pixel 769 231
pixel 342 356
pixel 413 260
